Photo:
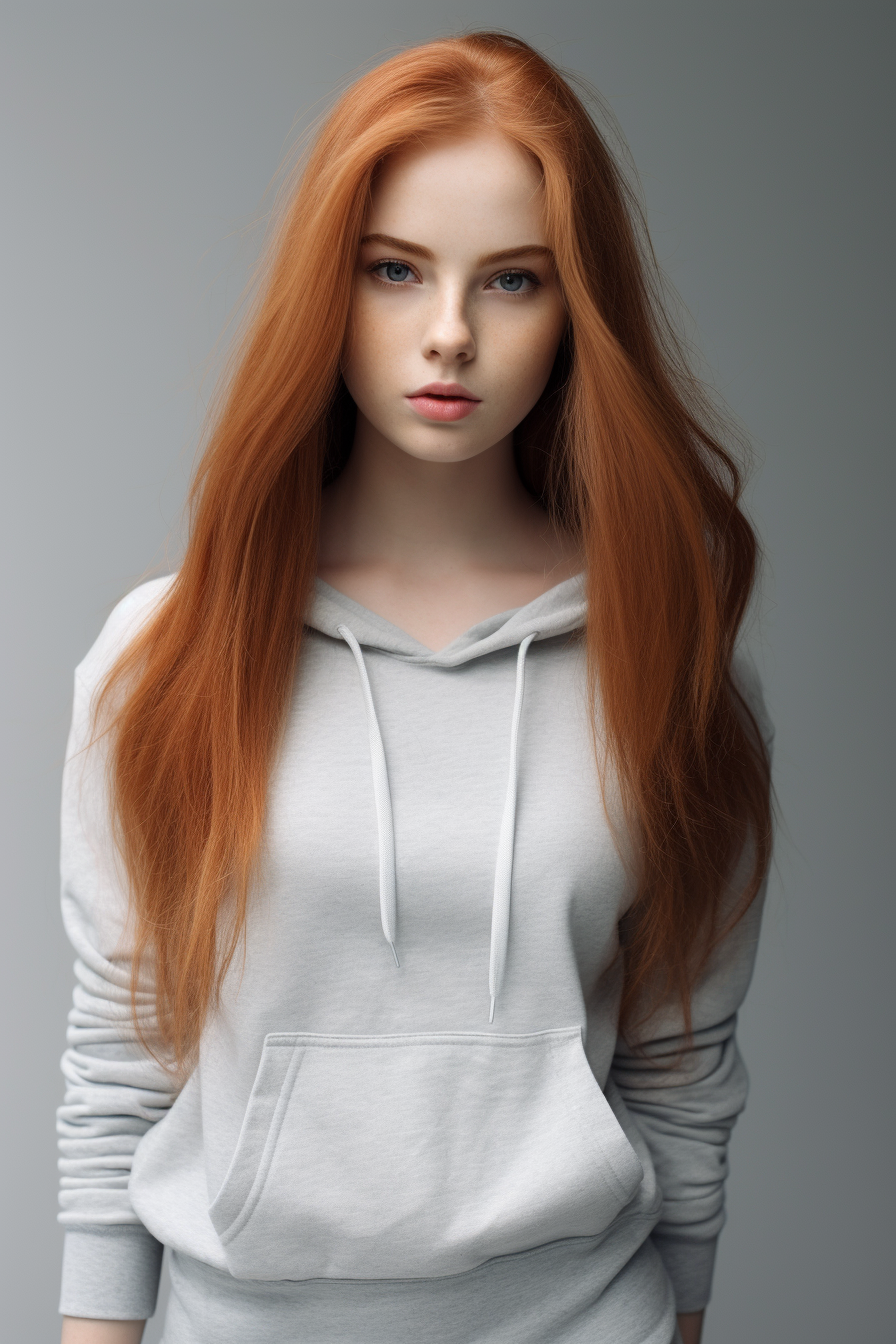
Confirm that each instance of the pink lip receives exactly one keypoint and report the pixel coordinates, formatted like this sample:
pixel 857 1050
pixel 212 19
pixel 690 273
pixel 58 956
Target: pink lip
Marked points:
pixel 443 401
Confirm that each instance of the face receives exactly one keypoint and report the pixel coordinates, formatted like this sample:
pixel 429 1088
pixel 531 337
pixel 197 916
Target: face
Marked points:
pixel 457 311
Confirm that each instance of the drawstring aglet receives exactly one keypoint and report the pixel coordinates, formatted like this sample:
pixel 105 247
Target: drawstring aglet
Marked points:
pixel 491 1011
pixel 395 954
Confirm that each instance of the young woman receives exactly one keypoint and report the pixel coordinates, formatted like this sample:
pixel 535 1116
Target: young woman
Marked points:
pixel 414 831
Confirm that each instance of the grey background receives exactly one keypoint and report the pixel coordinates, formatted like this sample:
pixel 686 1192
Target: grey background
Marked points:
pixel 138 142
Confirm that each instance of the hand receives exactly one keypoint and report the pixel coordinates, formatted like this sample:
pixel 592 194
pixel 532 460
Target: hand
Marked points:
pixel 79 1330
pixel 690 1327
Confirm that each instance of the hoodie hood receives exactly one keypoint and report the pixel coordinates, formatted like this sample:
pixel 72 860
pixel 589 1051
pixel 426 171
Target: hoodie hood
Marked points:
pixel 557 612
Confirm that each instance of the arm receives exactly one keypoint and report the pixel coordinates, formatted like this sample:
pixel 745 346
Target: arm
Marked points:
pixel 114 1091
pixel 690 1327
pixel 685 1095
pixel 685 1101
pixel 79 1330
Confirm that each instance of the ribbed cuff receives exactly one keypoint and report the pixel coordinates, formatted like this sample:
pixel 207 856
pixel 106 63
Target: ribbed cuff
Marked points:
pixel 689 1265
pixel 110 1272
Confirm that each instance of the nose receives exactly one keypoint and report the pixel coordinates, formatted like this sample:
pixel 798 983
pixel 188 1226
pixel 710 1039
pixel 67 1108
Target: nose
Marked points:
pixel 448 335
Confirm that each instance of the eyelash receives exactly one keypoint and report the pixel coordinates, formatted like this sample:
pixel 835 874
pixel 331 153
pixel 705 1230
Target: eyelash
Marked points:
pixel 397 284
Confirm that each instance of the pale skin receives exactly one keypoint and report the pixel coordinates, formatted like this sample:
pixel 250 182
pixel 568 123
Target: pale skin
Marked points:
pixel 429 524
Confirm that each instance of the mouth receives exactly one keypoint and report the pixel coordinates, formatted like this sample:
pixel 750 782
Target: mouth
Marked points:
pixel 443 401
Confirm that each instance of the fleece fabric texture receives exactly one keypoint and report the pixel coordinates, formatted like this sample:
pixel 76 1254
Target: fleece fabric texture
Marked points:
pixel 411 1108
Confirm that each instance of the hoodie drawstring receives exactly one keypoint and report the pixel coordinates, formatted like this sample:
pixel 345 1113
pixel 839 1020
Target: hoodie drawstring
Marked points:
pixel 504 862
pixel 386 830
pixel 382 799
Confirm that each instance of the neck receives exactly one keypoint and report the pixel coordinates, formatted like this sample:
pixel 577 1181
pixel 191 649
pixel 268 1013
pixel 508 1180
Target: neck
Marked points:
pixel 392 510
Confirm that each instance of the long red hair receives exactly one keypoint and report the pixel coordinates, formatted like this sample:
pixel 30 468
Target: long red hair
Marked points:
pixel 623 447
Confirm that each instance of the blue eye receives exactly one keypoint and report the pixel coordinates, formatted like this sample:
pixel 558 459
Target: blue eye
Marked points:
pixel 514 282
pixel 395 271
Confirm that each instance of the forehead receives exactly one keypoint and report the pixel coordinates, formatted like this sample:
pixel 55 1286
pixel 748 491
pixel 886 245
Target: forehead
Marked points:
pixel 476 194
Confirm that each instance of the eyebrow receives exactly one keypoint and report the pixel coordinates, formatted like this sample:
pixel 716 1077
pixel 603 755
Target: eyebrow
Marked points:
pixel 489 259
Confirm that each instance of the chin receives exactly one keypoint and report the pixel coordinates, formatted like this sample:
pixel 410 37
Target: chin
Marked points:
pixel 446 452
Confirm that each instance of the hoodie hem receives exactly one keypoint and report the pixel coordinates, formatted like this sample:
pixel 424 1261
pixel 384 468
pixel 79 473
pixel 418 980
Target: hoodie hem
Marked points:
pixel 568 1292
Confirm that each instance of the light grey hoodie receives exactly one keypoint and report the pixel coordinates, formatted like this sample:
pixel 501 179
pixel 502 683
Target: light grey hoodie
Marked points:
pixel 411 1118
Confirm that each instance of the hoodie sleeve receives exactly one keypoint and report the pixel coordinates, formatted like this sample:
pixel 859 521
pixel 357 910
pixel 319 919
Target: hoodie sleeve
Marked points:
pixel 114 1091
pixel 685 1097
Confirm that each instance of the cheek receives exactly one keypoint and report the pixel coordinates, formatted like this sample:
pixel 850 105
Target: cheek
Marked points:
pixel 363 346
pixel 380 336
pixel 528 355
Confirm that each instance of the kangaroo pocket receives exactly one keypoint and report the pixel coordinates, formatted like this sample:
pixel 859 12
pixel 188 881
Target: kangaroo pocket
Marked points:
pixel 415 1156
